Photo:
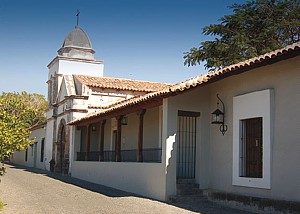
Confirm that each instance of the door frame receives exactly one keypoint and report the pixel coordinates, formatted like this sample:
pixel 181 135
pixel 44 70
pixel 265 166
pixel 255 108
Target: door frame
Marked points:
pixel 186 154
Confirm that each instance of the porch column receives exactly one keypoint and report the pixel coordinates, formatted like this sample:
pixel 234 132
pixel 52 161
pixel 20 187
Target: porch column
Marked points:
pixel 101 146
pixel 88 141
pixel 119 138
pixel 140 137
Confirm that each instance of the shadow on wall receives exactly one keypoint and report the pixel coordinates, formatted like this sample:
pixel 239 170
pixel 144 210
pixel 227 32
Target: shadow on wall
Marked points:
pixel 107 191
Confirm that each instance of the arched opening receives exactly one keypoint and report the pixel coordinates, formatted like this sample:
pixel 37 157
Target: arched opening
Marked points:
pixel 62 149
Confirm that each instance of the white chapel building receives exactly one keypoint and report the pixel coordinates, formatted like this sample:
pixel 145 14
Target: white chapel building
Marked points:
pixel 76 87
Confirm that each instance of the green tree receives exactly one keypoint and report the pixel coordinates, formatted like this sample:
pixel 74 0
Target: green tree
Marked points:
pixel 18 112
pixel 254 28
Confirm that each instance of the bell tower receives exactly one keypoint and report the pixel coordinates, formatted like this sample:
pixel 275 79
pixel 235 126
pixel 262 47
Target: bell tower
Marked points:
pixel 75 56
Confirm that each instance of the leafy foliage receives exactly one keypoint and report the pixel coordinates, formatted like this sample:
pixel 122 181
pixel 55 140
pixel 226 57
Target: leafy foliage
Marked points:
pixel 30 108
pixel 1 205
pixel 255 28
pixel 18 112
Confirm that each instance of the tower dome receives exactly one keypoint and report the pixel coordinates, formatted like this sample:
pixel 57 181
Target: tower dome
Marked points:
pixel 77 38
pixel 77 45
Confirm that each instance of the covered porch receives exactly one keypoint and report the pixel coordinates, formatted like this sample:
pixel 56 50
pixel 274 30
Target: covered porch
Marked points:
pixel 123 148
pixel 135 137
pixel 125 135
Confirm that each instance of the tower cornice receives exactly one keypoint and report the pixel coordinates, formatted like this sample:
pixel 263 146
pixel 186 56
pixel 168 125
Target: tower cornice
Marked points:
pixel 92 61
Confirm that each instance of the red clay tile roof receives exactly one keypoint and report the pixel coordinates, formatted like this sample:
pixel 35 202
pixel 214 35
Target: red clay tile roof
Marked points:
pixel 268 58
pixel 249 64
pixel 122 104
pixel 121 84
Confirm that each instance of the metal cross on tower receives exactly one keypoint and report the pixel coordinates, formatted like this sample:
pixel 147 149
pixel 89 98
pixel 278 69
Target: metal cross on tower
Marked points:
pixel 78 12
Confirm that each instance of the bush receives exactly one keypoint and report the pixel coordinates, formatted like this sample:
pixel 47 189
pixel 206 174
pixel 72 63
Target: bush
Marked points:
pixel 1 205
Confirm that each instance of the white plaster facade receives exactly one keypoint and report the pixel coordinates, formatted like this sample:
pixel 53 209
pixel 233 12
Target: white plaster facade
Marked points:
pixel 269 91
pixel 34 156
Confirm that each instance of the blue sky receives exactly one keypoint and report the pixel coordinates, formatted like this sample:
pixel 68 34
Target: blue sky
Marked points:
pixel 137 39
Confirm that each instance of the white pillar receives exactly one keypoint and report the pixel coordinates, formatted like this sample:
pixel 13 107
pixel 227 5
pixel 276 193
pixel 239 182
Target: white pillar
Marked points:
pixel 169 129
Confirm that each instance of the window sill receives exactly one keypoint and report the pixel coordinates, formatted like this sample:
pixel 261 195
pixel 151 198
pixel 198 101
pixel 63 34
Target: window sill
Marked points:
pixel 261 183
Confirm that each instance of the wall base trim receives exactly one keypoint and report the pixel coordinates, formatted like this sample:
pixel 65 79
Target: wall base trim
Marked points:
pixel 254 204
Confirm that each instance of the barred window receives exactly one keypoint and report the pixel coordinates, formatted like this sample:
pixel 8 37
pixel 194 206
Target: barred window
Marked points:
pixel 251 149
pixel 26 154
pixel 252 134
pixel 42 150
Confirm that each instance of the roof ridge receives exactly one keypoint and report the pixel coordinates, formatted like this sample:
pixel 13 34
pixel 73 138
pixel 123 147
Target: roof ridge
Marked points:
pixel 147 81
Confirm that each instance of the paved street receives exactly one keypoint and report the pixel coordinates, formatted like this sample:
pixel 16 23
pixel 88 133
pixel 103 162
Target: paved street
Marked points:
pixel 27 190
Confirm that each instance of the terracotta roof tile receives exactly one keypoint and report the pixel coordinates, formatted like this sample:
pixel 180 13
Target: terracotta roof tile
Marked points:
pixel 122 104
pixel 227 70
pixel 121 84
pixel 193 82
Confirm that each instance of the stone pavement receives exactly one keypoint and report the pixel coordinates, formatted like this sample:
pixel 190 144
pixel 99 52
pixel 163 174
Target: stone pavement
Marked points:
pixel 28 190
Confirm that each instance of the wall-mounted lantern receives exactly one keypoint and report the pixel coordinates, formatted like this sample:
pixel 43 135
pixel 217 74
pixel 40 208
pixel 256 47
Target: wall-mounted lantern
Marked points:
pixel 124 120
pixel 218 116
pixel 94 128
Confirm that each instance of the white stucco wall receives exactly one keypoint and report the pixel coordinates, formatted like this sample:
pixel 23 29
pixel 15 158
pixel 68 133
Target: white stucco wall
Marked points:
pixel 75 144
pixel 80 67
pixel 215 151
pixel 106 97
pixel 95 137
pixel 19 157
pixel 77 115
pixel 284 79
pixel 39 135
pixel 214 165
pixel 48 143
pixel 169 148
pixel 140 178
pixel 108 134
pixel 53 70
pixel 130 133
pixel 150 130
pixel 195 102
pixel 65 66
pixel 34 151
